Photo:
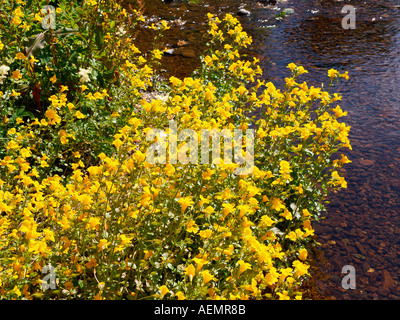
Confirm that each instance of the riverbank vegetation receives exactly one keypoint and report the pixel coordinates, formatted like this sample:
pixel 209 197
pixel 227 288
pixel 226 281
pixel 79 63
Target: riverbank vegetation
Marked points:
pixel 77 191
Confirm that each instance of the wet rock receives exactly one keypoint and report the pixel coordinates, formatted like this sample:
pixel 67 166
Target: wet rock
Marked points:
pixel 382 292
pixel 273 2
pixel 366 162
pixel 388 282
pixel 178 23
pixel 289 11
pixel 395 183
pixel 367 268
pixel 243 12
pixel 188 53
pixel 335 278
pixel 182 43
pixel 171 52
pixel 361 249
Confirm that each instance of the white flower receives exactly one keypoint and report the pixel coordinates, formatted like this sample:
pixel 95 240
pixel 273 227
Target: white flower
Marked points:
pixel 121 31
pixel 84 73
pixel 4 70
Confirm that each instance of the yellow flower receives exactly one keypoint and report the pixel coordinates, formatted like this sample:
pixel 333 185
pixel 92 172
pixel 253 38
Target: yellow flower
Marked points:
pixel 52 115
pixel 345 75
pixel 208 61
pixel 20 56
pixel 169 169
pixel 229 250
pixel 15 93
pixel 243 266
pixel 344 160
pixel 332 73
pixel 103 243
pixel 117 143
pixel 16 291
pixel 266 221
pixel 91 263
pixel 277 204
pixel 209 210
pixel 192 227
pixel 287 214
pixel 292 66
pixel 91 2
pixel 300 268
pixel 291 236
pixel 32 59
pixel 190 271
pixel 48 234
pixel 180 295
pixel 200 262
pixel 157 54
pixel 185 202
pixel 148 254
pixel 339 112
pixel 164 290
pixel 205 234
pixel 284 167
pixel 303 254
pixel 79 115
pixel 207 174
pixel 309 231
pixel 207 276
pixel 241 90
pixel 125 240
pixel 283 295
pixel 301 70
pixel 101 285
pixel 175 81
pixel 16 75
pixel 25 153
pixel 93 223
pixel 228 208
pixel 290 82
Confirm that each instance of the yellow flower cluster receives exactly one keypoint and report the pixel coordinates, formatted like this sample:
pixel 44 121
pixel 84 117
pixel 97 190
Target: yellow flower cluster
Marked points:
pixel 121 227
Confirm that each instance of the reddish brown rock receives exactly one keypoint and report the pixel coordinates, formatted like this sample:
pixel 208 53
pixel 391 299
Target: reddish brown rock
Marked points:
pixel 388 282
pixel 367 162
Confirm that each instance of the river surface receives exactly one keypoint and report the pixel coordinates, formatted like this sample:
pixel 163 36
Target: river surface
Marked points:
pixel 362 225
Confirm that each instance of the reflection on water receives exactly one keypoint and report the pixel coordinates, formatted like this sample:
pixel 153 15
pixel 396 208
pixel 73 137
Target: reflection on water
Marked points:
pixel 362 227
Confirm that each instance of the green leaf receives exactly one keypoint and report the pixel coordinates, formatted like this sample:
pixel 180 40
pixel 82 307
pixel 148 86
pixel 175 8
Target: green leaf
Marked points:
pixel 99 37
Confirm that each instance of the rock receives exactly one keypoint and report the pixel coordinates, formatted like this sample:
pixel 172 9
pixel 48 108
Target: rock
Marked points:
pixel 288 10
pixel 361 249
pixel 388 282
pixel 243 12
pixel 382 292
pixel 178 23
pixel 182 43
pixel 171 52
pixel 366 162
pixel 269 1
pixel 188 53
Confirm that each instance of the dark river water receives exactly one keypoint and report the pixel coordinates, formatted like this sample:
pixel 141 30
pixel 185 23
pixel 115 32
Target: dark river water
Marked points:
pixel 362 225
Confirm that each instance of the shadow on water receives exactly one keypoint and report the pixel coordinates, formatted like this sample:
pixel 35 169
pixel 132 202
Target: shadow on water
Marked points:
pixel 362 226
